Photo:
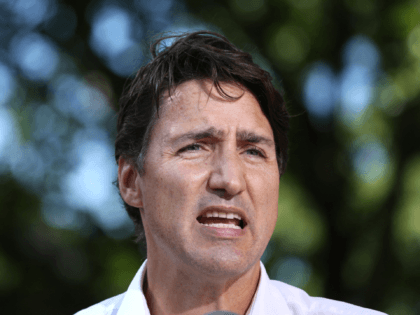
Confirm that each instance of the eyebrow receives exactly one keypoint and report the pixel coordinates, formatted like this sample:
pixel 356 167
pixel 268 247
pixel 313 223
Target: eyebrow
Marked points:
pixel 252 137
pixel 211 132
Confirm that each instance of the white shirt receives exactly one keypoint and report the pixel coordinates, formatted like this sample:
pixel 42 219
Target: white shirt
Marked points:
pixel 271 298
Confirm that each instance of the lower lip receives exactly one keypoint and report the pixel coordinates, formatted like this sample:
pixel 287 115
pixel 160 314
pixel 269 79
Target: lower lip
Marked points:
pixel 222 232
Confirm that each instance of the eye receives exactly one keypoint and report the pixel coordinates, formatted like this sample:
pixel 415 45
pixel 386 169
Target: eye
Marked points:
pixel 191 147
pixel 255 152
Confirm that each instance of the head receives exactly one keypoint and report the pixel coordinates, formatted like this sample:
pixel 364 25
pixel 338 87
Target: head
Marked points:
pixel 216 66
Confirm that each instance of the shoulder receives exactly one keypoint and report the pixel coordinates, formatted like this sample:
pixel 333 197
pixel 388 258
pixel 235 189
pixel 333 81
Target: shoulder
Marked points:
pixel 301 303
pixel 107 307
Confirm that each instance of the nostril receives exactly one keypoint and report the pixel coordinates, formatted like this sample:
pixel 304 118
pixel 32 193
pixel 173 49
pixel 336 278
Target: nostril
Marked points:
pixel 220 192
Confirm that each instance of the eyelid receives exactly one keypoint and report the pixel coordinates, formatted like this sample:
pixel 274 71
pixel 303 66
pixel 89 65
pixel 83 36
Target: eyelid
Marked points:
pixel 201 146
pixel 259 150
pixel 186 147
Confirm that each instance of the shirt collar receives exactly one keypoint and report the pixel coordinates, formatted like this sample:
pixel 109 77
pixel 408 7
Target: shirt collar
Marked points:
pixel 268 300
pixel 134 301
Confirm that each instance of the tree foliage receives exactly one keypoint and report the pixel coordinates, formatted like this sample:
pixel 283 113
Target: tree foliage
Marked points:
pixel 349 209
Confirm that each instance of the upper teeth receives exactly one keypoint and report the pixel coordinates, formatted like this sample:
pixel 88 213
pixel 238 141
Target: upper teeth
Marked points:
pixel 222 215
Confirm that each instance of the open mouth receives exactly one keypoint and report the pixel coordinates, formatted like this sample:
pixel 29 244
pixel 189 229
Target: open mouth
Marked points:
pixel 220 222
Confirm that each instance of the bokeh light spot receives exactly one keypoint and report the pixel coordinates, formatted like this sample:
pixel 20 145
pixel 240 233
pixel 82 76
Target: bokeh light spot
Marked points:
pixel 356 91
pixel 8 134
pixel 73 96
pixel 89 183
pixel 391 98
pixel 55 214
pixel 361 60
pixel 27 165
pixel 299 228
pixel 128 62
pixel 44 122
pixel 31 12
pixel 413 42
pixel 371 161
pixel 35 55
pixel 320 90
pixel 360 50
pixel 404 17
pixel 88 187
pixel 408 216
pixel 111 29
pixel 7 83
pixel 406 220
pixel 289 46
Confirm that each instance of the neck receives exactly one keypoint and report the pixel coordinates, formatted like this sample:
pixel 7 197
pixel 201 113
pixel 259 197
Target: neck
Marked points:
pixel 185 293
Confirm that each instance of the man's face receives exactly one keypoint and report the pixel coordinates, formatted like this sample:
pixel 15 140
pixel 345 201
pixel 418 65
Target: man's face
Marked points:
pixel 209 154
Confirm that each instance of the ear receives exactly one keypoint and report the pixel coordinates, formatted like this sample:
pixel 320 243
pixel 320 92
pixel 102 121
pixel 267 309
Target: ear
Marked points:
pixel 128 181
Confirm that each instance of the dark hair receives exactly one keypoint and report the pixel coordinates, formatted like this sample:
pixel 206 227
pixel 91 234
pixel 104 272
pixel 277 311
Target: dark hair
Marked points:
pixel 194 56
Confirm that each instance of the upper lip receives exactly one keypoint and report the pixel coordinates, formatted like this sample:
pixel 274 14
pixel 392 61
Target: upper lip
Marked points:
pixel 227 209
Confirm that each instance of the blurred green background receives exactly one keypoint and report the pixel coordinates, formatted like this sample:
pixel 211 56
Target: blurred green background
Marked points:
pixel 349 209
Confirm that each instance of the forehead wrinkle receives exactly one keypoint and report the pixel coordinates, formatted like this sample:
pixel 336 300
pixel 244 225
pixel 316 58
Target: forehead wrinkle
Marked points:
pixel 198 134
pixel 219 134
pixel 201 93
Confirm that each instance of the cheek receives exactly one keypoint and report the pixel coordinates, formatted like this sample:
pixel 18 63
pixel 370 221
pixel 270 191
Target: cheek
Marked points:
pixel 265 193
pixel 173 190
pixel 265 183
pixel 273 198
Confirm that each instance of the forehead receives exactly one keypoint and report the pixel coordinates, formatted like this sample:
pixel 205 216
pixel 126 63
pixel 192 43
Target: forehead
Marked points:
pixel 198 104
pixel 198 98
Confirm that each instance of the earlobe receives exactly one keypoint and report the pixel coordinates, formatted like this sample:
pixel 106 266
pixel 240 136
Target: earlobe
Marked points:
pixel 129 183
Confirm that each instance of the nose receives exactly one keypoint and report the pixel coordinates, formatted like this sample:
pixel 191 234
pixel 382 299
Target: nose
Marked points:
pixel 227 176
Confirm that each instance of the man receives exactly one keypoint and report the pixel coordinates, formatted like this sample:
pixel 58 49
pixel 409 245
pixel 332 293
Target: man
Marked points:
pixel 201 145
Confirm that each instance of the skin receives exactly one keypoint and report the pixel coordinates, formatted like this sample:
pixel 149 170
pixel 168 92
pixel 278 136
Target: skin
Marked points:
pixel 190 271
